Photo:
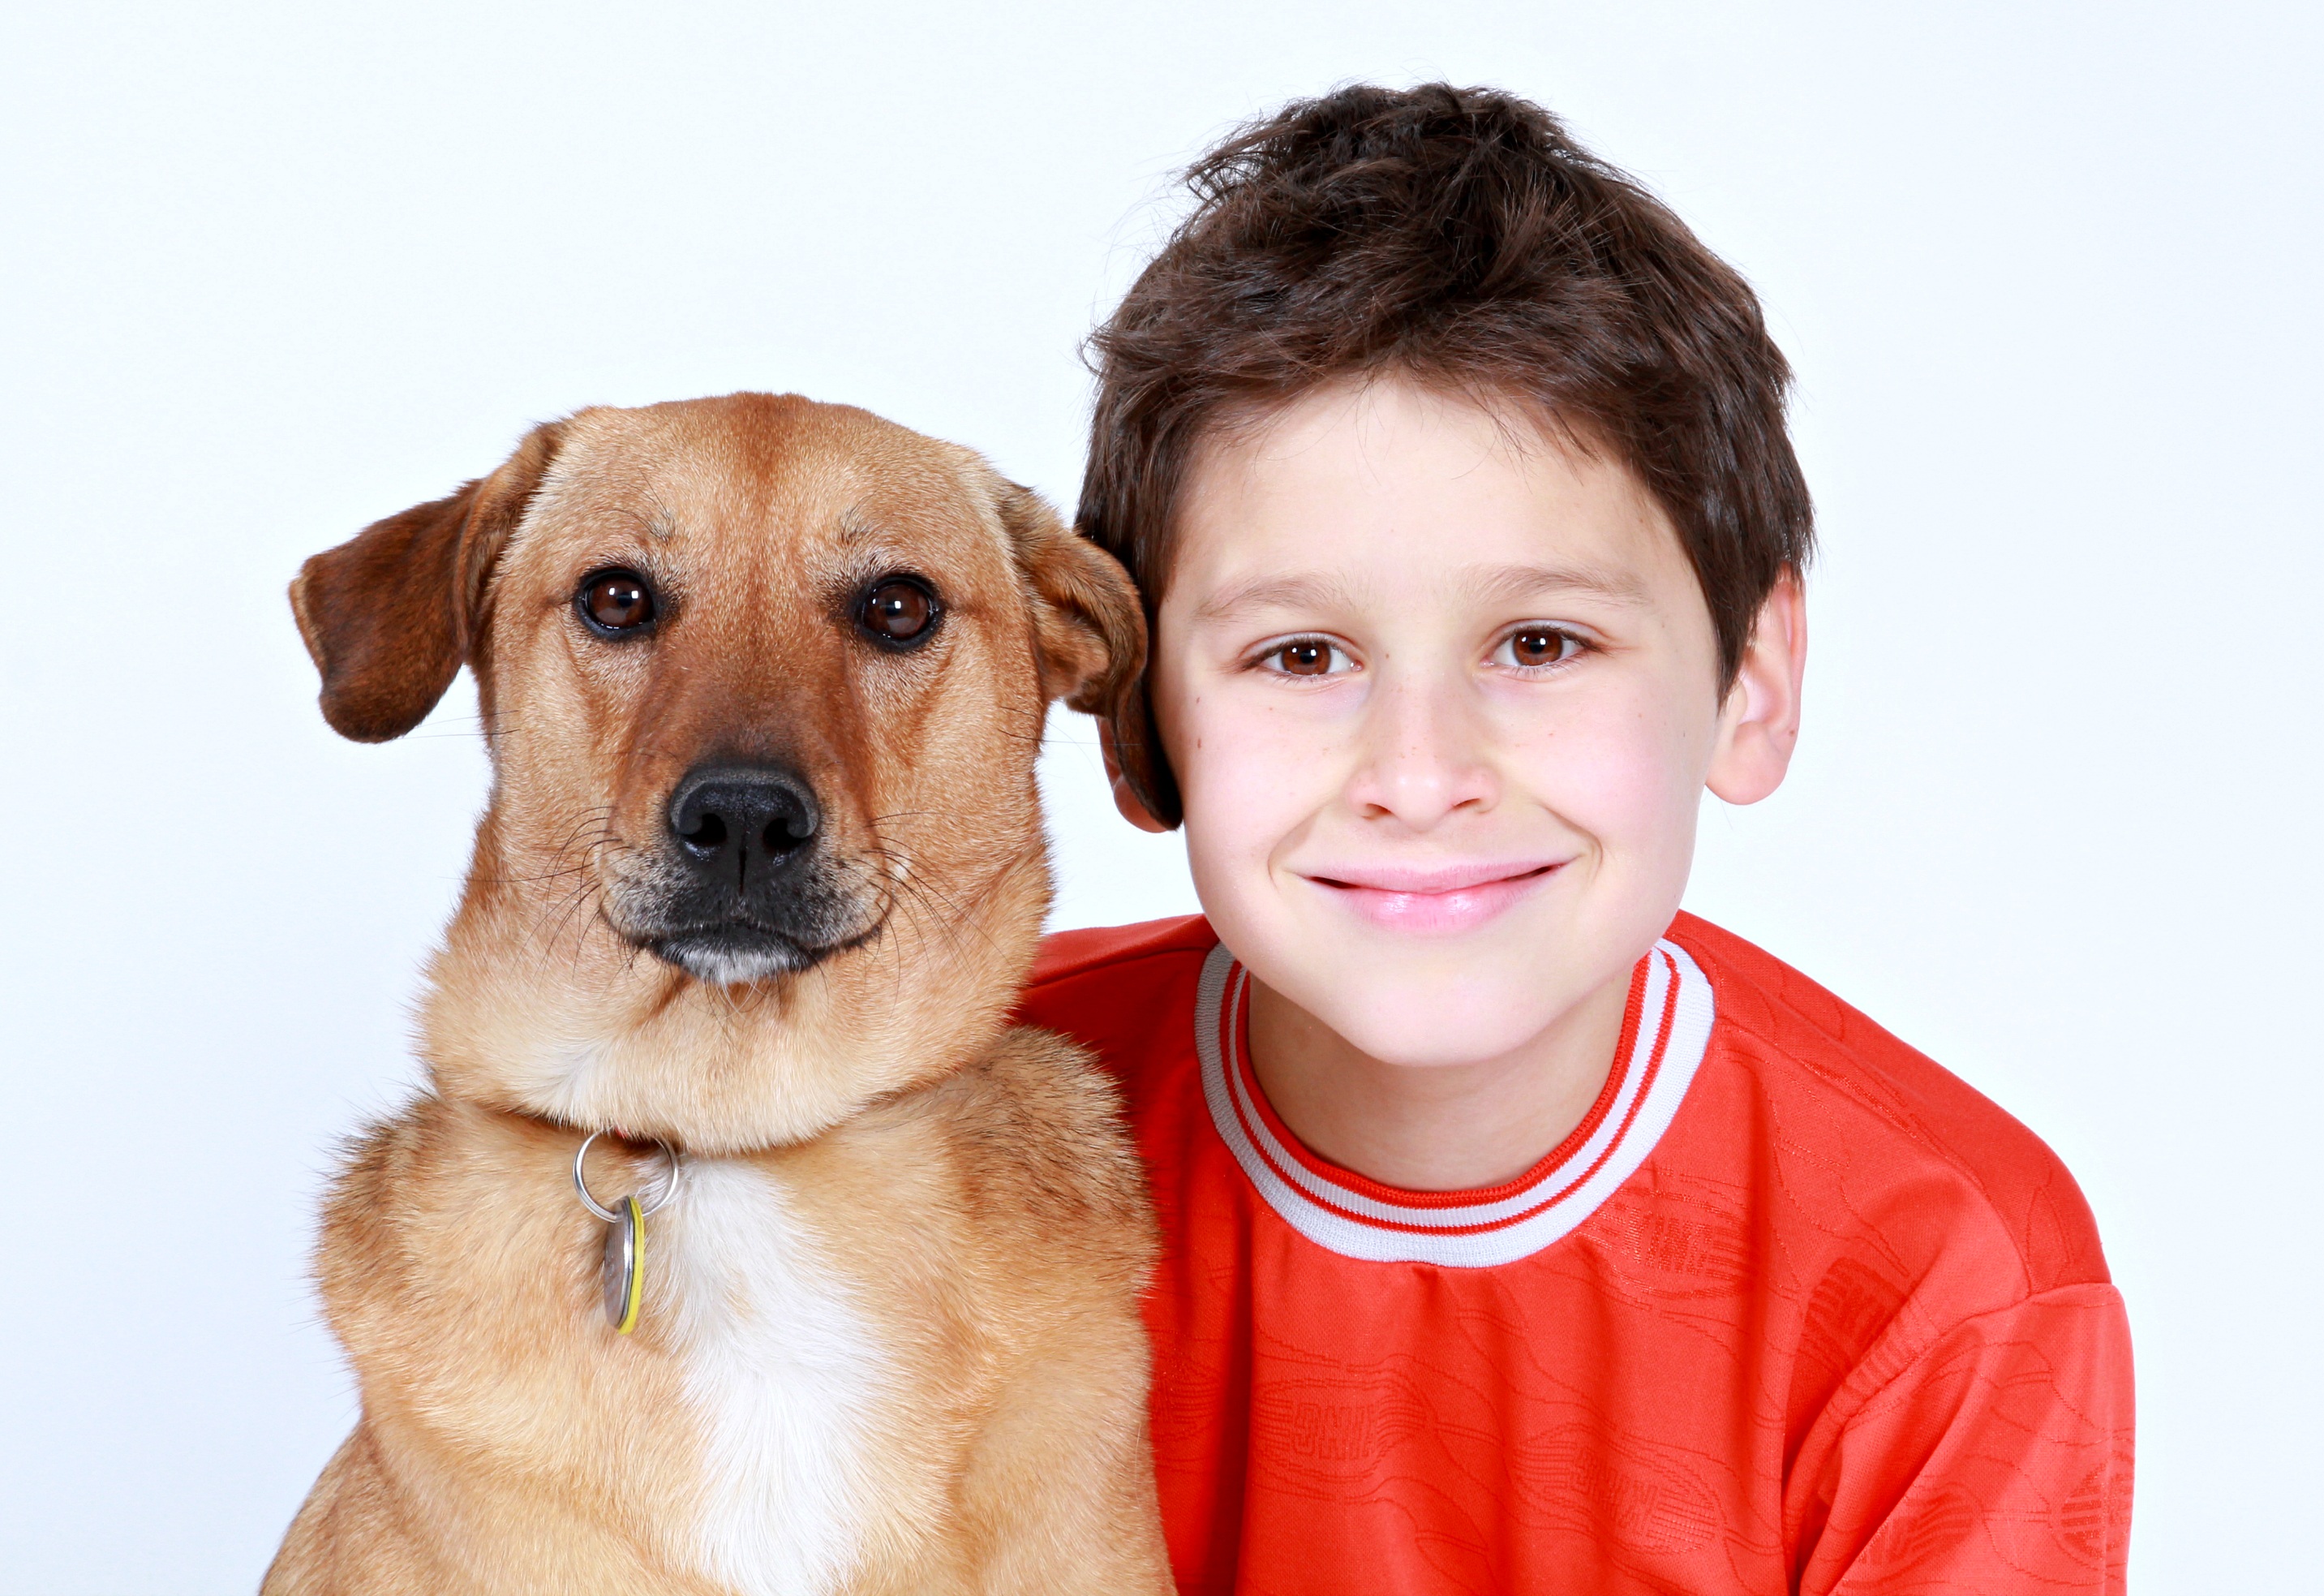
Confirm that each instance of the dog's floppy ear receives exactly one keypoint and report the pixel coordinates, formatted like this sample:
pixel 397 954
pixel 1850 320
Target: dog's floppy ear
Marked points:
pixel 390 614
pixel 1089 630
pixel 1089 633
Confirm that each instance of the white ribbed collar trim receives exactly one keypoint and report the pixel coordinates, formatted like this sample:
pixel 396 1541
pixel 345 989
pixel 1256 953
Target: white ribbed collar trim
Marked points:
pixel 1674 1027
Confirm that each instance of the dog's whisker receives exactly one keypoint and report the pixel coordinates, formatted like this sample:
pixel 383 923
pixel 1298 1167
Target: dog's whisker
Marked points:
pixel 588 893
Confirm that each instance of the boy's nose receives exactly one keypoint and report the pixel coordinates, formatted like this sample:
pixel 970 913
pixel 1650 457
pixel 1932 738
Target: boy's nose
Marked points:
pixel 1423 755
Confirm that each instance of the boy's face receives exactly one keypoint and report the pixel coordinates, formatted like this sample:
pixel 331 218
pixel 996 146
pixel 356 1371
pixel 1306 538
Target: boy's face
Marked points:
pixel 1442 697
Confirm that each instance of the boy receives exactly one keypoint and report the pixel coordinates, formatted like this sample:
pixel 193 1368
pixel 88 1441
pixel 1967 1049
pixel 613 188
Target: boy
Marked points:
pixel 1520 1232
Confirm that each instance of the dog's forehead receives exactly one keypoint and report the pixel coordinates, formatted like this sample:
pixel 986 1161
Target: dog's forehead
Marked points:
pixel 739 468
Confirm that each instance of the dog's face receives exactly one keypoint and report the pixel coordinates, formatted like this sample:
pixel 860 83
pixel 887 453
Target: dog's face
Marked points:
pixel 764 681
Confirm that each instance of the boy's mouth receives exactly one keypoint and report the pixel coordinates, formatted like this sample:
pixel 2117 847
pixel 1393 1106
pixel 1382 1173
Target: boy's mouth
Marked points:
pixel 1447 898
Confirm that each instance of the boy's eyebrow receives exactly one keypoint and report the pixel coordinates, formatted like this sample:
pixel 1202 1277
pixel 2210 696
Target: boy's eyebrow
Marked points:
pixel 1316 590
pixel 1513 582
pixel 1310 590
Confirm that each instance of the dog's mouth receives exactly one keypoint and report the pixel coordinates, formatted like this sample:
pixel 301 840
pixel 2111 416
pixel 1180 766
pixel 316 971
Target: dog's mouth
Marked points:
pixel 748 880
pixel 738 952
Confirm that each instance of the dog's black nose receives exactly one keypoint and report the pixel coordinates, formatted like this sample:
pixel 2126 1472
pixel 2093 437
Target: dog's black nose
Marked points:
pixel 735 821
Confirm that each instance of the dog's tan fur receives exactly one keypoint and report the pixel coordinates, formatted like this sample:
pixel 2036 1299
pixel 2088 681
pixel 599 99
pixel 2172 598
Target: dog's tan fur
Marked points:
pixel 901 1168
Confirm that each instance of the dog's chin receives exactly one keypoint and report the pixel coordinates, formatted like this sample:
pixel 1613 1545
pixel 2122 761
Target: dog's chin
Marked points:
pixel 735 956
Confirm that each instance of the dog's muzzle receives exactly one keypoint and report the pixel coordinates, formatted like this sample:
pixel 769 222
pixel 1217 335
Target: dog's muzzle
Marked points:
pixel 752 896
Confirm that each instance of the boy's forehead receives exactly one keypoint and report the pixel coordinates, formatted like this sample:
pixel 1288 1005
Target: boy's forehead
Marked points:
pixel 1354 485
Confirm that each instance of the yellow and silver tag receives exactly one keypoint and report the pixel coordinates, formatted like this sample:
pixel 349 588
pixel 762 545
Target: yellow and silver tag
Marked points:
pixel 625 1270
pixel 625 1266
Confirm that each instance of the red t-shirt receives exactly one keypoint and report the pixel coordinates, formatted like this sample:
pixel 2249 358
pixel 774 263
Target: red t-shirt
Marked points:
pixel 1793 1309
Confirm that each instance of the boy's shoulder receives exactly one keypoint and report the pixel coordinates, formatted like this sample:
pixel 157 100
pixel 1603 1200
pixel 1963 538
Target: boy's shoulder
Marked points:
pixel 1066 956
pixel 1110 988
pixel 1898 1130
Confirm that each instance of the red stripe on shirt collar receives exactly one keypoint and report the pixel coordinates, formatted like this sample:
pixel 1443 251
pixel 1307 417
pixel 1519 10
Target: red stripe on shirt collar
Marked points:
pixel 1560 1173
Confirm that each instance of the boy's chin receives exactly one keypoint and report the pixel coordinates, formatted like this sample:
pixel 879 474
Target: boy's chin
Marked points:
pixel 1417 1024
pixel 1438 1002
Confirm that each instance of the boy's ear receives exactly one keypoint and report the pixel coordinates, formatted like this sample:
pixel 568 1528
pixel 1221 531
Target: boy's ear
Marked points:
pixel 1759 722
pixel 1126 796
pixel 389 616
pixel 1089 635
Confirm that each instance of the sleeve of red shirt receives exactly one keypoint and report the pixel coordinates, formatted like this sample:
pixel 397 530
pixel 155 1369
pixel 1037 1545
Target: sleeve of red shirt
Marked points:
pixel 1999 1458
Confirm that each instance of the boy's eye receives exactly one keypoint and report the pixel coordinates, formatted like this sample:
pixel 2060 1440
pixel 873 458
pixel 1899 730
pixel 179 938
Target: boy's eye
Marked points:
pixel 1534 646
pixel 1304 656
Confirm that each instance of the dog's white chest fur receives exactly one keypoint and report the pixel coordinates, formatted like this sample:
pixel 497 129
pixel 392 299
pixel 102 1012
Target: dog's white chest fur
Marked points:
pixel 784 1374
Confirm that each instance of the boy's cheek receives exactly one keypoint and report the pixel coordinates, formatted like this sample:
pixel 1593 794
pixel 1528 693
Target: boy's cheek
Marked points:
pixel 1622 775
pixel 1630 793
pixel 1225 746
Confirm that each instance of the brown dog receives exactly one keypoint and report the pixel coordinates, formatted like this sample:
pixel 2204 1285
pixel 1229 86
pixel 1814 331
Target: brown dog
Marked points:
pixel 762 871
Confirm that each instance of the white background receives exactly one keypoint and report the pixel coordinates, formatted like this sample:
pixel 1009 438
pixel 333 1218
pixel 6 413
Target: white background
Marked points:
pixel 269 273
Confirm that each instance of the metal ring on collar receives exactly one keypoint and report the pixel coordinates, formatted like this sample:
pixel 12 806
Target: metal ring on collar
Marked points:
pixel 581 1183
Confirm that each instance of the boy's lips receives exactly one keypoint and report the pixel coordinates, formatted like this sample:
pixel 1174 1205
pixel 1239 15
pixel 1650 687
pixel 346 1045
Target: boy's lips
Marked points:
pixel 1447 898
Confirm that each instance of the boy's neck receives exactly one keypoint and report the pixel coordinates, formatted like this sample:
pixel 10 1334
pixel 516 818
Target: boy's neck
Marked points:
pixel 1435 1127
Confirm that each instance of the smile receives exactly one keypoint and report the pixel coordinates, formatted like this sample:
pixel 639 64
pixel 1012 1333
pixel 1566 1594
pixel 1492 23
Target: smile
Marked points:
pixel 1446 900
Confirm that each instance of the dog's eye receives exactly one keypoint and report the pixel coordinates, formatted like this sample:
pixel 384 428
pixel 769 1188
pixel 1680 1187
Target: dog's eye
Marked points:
pixel 614 602
pixel 898 611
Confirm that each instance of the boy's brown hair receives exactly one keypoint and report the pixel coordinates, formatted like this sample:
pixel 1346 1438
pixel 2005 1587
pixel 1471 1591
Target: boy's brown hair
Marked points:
pixel 1461 237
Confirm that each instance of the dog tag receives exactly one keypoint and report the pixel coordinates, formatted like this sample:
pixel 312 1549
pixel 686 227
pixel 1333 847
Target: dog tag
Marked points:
pixel 625 1266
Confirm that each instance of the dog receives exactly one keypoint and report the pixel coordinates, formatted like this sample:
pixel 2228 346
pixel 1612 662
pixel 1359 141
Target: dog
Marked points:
pixel 761 875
